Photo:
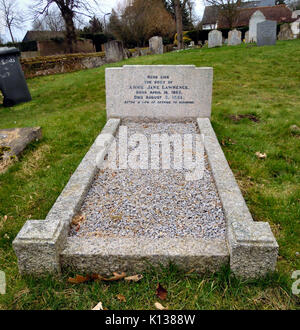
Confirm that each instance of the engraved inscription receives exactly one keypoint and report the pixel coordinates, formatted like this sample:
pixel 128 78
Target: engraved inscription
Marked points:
pixel 158 89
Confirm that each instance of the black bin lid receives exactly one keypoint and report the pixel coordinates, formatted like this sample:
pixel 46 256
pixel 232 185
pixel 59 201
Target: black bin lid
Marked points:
pixel 9 51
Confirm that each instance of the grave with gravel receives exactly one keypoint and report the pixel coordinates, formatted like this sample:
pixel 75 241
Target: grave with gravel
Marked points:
pixel 120 217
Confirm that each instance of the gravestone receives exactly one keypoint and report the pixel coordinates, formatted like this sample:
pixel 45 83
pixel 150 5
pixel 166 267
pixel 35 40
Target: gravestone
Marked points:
pixel 285 32
pixel 266 33
pixel 175 91
pixel 247 37
pixel 215 39
pixel 296 14
pixel 156 45
pixel 295 27
pixel 257 17
pixel 114 51
pixel 234 37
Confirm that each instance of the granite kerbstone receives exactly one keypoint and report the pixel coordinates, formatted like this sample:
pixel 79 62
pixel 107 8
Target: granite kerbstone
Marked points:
pixel 107 255
pixel 39 243
pixel 163 92
pixel 253 248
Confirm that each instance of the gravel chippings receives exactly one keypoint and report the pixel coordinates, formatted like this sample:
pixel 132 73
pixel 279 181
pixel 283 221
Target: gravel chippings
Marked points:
pixel 152 203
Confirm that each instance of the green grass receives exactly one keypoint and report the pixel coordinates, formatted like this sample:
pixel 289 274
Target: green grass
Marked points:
pixel 264 82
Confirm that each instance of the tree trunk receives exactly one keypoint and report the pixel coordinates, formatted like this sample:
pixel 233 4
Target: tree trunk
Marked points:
pixel 70 29
pixel 11 35
pixel 178 14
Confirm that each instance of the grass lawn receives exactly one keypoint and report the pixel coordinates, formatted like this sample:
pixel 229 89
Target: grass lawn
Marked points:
pixel 262 82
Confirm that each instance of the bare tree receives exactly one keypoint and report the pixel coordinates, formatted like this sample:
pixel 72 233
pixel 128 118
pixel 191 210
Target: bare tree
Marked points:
pixel 53 21
pixel 70 10
pixel 228 10
pixel 12 17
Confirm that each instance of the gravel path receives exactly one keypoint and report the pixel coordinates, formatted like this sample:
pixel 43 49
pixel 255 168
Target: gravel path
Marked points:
pixel 152 203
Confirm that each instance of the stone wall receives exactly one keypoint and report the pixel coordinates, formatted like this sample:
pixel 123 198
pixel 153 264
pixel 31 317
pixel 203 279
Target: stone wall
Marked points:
pixel 51 47
pixel 46 65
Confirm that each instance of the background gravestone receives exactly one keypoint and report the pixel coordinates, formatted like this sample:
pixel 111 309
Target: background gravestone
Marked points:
pixel 247 37
pixel 234 37
pixel 114 51
pixel 156 45
pixel 266 33
pixel 285 32
pixel 215 39
pixel 256 18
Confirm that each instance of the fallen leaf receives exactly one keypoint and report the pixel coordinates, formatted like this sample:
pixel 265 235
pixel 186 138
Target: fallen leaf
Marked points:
pixel 191 271
pixel 116 277
pixel 161 292
pixel 121 298
pixel 78 219
pixel 78 279
pixel 160 306
pixel 260 155
pixel 98 307
pixel 134 278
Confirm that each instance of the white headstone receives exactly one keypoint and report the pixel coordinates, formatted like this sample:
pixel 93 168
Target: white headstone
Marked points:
pixel 295 27
pixel 295 13
pixel 257 17
pixel 159 91
pixel 234 37
pixel 215 39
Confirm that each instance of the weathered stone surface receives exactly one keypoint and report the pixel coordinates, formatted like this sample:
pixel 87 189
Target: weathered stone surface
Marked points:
pixel 253 248
pixel 266 33
pixel 285 32
pixel 39 243
pixel 17 139
pixel 215 39
pixel 114 51
pixel 159 91
pixel 105 255
pixel 234 37
pixel 156 45
pixel 257 17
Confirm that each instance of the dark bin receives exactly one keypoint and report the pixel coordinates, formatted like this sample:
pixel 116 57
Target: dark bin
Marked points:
pixel 12 81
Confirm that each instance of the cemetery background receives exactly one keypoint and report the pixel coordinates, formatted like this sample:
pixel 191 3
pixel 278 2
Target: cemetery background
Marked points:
pixel 255 103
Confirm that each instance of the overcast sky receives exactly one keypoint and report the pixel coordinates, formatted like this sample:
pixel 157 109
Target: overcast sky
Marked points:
pixel 105 7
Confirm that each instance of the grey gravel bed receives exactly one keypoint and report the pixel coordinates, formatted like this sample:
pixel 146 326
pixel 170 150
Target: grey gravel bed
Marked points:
pixel 152 203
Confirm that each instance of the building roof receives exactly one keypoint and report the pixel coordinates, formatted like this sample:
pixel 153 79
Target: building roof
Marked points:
pixel 210 15
pixel 42 35
pixel 280 14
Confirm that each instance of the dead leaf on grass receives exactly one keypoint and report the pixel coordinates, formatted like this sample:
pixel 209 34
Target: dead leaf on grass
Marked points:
pixel 159 306
pixel 134 278
pixel 116 277
pixel 78 279
pixel 259 155
pixel 98 307
pixel 161 292
pixel 121 298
